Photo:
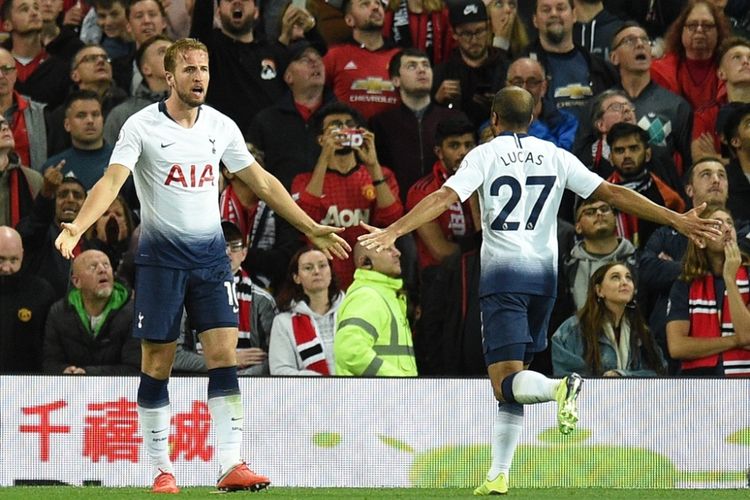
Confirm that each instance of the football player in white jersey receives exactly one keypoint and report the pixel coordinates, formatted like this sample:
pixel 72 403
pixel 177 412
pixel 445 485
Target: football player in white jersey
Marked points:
pixel 173 148
pixel 520 181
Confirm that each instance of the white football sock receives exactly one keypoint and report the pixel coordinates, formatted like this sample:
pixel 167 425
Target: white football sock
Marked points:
pixel 506 432
pixel 228 416
pixel 155 425
pixel 532 387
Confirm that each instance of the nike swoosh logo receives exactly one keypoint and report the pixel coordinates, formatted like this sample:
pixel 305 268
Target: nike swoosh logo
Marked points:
pixel 236 419
pixel 157 432
pixel 166 145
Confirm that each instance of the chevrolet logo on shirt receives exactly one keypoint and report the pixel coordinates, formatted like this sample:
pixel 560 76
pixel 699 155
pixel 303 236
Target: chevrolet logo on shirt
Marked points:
pixel 574 91
pixel 373 85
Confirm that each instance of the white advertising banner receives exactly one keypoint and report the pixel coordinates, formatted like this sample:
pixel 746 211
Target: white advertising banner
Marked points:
pixel 323 432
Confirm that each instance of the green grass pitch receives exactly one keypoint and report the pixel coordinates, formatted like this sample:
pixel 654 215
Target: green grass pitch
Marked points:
pixel 73 493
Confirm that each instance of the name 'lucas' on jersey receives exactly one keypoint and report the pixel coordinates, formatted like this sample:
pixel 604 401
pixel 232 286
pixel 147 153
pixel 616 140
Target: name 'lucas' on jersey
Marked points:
pixel 175 170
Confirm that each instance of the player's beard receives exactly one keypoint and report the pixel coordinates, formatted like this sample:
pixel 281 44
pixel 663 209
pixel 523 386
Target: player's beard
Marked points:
pixel 188 98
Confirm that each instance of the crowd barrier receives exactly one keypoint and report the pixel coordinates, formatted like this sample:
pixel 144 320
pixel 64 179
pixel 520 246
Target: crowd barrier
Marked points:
pixel 328 432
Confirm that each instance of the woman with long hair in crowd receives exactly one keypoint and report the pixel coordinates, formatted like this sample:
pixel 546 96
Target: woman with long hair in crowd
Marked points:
pixel 608 337
pixel 708 322
pixel 302 332
pixel 508 30
pixel 690 62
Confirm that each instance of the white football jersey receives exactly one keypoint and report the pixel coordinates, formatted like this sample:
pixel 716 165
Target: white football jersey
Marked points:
pixel 176 174
pixel 521 181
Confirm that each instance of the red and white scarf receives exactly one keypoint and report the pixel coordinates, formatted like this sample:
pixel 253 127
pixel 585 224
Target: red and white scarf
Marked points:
pixel 705 322
pixel 309 347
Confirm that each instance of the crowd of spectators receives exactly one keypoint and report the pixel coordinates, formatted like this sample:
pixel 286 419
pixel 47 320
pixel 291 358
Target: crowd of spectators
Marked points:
pixel 361 111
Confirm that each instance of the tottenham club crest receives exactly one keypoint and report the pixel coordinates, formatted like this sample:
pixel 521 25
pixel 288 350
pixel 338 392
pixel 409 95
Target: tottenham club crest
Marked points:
pixel 268 69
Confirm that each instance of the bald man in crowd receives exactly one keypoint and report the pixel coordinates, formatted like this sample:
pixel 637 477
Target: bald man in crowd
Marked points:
pixel 25 300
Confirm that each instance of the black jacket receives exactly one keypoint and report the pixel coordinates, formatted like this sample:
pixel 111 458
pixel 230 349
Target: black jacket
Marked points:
pixel 406 144
pixel 25 300
pixel 245 77
pixel 289 143
pixel 113 351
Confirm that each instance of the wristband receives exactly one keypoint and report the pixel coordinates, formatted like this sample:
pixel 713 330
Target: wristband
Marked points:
pixel 378 182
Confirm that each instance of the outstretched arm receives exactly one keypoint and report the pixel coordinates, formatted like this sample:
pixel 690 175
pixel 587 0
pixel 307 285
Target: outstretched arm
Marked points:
pixel 426 210
pixel 269 189
pixel 689 223
pixel 99 199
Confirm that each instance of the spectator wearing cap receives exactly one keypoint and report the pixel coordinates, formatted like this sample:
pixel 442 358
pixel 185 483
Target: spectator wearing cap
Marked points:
pixel 357 70
pixel 287 122
pixel 405 135
pixel 576 75
pixel 475 71
pixel 738 170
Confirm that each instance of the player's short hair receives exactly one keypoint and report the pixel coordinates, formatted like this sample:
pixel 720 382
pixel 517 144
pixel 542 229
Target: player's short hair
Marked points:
pixel 623 129
pixel 130 3
pixel 145 45
pixel 80 95
pixel 513 106
pixel 394 66
pixel 453 126
pixel 335 108
pixel 703 159
pixel 181 46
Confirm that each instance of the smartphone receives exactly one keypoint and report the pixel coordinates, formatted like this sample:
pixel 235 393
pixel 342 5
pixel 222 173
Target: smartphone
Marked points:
pixel 301 4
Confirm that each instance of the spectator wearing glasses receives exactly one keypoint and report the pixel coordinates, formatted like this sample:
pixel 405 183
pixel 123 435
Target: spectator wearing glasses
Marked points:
pixel 91 70
pixel 599 244
pixel 25 116
pixel 475 70
pixel 608 108
pixel 689 67
pixel 667 117
pixel 550 123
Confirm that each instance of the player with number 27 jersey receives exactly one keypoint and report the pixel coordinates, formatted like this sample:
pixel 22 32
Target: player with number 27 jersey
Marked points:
pixel 522 180
pixel 169 161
